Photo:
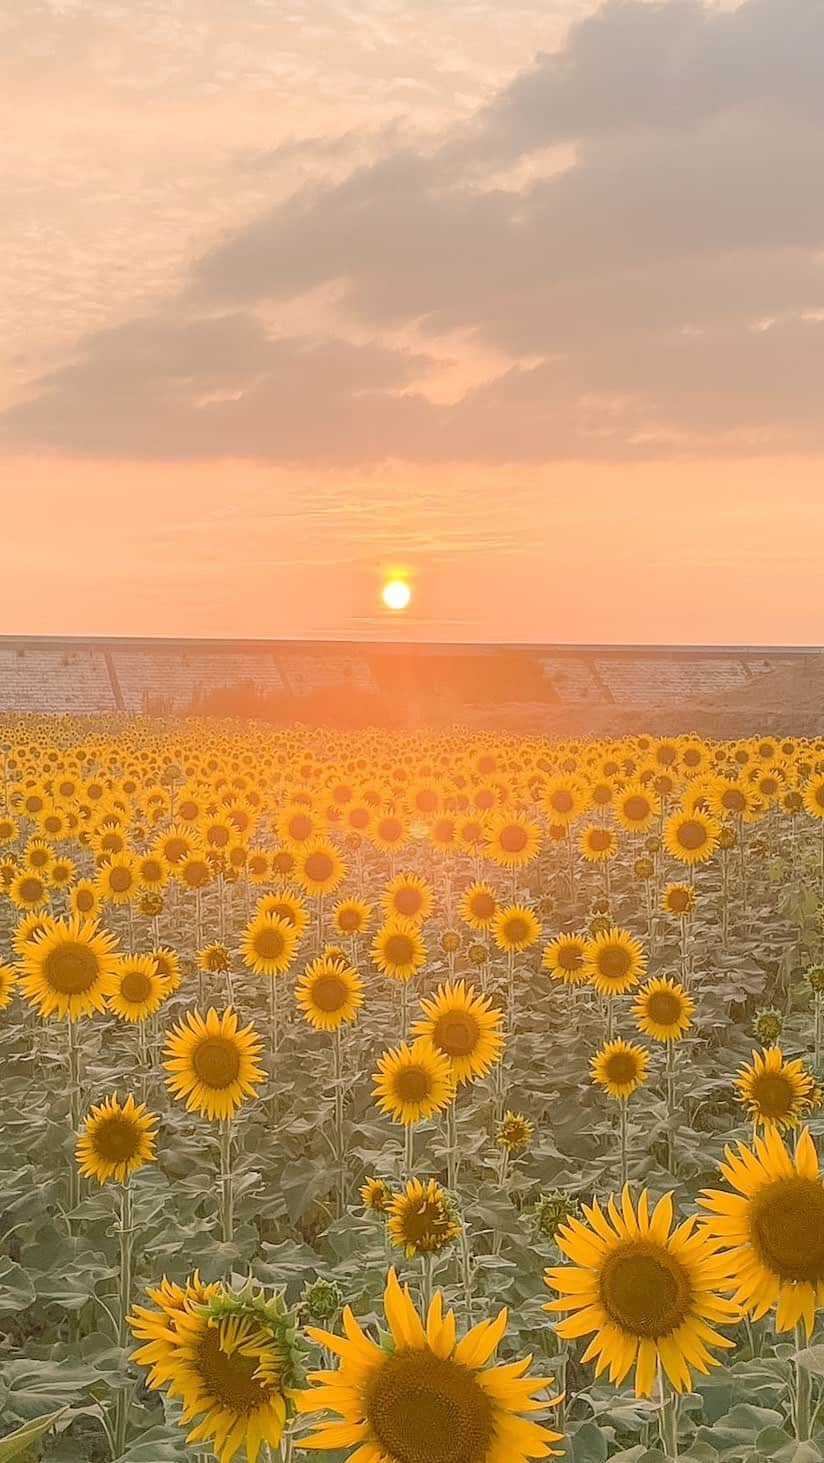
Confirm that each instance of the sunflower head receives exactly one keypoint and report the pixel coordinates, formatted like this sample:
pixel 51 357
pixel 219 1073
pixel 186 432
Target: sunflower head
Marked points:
pixel 663 1009
pixel 768 1025
pixel 116 1140
pixel 422 1219
pixel 465 1027
pixel 414 1082
pixel 321 1300
pixel 398 949
pixel 515 928
pixel 212 1062
pixel 678 900
pixel 620 1067
pixel 70 970
pixel 329 993
pixel 268 944
pixel 139 991
pixel 376 1195
pixel 614 961
pixel 777 1092
pixel 514 1132
pixel 552 1210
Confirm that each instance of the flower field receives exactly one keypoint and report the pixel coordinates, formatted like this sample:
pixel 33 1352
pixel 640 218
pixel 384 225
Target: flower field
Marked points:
pixel 434 1098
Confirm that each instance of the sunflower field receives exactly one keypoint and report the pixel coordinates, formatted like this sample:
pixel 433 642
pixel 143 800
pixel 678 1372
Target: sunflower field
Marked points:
pixel 409 1098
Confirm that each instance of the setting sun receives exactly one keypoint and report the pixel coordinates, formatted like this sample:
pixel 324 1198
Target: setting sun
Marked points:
pixel 396 594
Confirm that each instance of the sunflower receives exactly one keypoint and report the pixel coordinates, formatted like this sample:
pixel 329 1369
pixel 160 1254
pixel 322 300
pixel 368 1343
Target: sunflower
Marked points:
pixel 772 1227
pixel 152 871
pixel 563 799
pixel 8 981
pixel 62 873
pixel 515 927
pixel 389 831
pixel 425 1398
pixel 514 1132
pixel 636 808
pixel 9 830
pixel 351 917
pixel 422 1219
pixel 678 900
pixel 211 1063
pixel 813 795
pixel 213 959
pixel 329 993
pixel 777 1093
pixel 407 897
pixel 38 855
pixel 413 1082
pixel 30 928
pixel 139 990
pixel 597 844
pixel 117 879
pixel 175 845
pixel 318 867
pixel 268 944
pixel 691 837
pixel 71 970
pixel 29 890
pixel 298 824
pixel 465 1026
pixel 619 1067
pixel 167 965
pixel 479 905
pixel 512 840
pixel 563 957
pixel 229 1355
pixel 663 1009
pixel 117 1139
pixel 398 949
pixel 648 1292
pixel 614 961
pixel 287 906
pixel 376 1195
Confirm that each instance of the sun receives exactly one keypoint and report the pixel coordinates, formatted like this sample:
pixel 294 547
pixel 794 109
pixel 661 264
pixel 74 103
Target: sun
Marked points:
pixel 396 594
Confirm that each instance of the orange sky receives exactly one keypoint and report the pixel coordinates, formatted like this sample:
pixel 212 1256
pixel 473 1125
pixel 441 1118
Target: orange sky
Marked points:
pixel 527 301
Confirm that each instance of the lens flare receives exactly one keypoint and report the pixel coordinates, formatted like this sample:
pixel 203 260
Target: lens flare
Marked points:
pixel 396 594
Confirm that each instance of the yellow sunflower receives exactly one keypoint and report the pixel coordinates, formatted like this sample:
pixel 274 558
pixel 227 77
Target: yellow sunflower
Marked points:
pixel 512 840
pixel 563 957
pixel 138 991
pixel 413 1082
pixel 691 837
pixel 678 900
pixel 212 1063
pixel 479 905
pixel 465 1026
pixel 329 993
pixel 268 944
pixel 777 1093
pixel 286 906
pixel 8 981
pixel 117 1139
pixel 425 1397
pixel 620 1067
pixel 772 1227
pixel 71 970
pixel 319 869
pixel 376 1195
pixel 515 927
pixel 648 1292
pixel 563 798
pixel 614 961
pixel 389 831
pixel 597 844
pixel 117 879
pixel 398 949
pixel 813 795
pixel 407 897
pixel 351 917
pixel 29 890
pixel 636 807
pixel 422 1219
pixel 167 965
pixel 663 1009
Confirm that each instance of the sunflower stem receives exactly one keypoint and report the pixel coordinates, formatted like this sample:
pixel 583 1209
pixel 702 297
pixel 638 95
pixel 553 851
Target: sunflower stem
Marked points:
pixel 670 1076
pixel 452 1147
pixel 623 1128
pixel 340 1150
pixel 668 1418
pixel 819 1024
pixel 408 1149
pixel 466 1273
pixel 74 1113
pixel 427 1273
pixel 227 1218
pixel 125 1233
pixel 803 1389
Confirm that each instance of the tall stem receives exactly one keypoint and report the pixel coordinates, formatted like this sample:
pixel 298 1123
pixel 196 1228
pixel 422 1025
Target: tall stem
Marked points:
pixel 408 1149
pixel 340 1151
pixel 623 1126
pixel 452 1147
pixel 671 1105
pixel 227 1217
pixel 428 1267
pixel 668 1418
pixel 803 1390
pixel 466 1274
pixel 74 1110
pixel 125 1232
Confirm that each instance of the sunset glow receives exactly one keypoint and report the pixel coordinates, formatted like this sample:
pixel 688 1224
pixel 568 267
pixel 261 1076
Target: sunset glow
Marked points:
pixel 396 594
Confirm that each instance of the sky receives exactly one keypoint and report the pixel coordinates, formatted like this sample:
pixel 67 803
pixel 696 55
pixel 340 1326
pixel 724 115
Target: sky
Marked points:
pixel 523 301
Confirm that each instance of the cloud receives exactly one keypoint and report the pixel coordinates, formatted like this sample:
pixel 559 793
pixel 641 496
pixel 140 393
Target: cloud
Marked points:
pixel 657 287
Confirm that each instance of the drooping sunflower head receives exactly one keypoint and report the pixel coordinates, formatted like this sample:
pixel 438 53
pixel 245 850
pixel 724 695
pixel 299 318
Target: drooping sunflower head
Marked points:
pixel 425 1397
pixel 777 1093
pixel 138 991
pixel 479 905
pixel 70 970
pixel 465 1027
pixel 407 896
pixel 663 1009
pixel 422 1219
pixel 649 1295
pixel 213 959
pixel 620 1067
pixel 772 1226
pixel 329 993
pixel 515 928
pixel 413 1082
pixel 268 944
pixel 398 950
pixel 116 1140
pixel 614 961
pixel 212 1062
pixel 514 1132
pixel 563 957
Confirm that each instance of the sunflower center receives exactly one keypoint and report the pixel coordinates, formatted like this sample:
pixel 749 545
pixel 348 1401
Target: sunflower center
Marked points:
pixel 692 835
pixel 427 1409
pixel 570 957
pixel 734 800
pixel 787 1222
pixel 151 871
pixel 408 901
pixel 119 880
pixel 600 839
pixel 561 801
pixel 349 920
pixel 71 968
pixel 636 809
pixel 679 900
pixel 330 993
pixel 269 944
pixel 176 849
pixel 398 950
pixel 426 1225
pixel 663 1007
pixel 513 839
pixel 319 867
pixel 229 1377
pixel 456 1033
pixel 483 905
pixel 644 1290
pixel 136 986
pixel 819 794
pixel 516 929
pixel 84 900
pixel 621 1068
pixel 614 963
pixel 390 830
pixel 116 1140
pixel 31 889
pixel 426 800
pixel 774 1094
pixel 216 1062
pixel 412 1084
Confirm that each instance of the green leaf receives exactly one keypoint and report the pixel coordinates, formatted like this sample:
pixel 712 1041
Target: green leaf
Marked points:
pixel 17 1444
pixel 16 1290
